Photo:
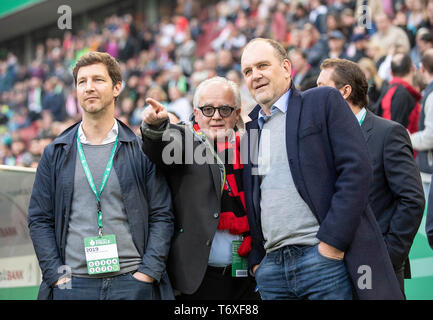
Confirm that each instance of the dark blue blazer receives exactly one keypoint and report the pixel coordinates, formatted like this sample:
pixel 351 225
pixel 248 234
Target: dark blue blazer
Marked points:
pixel 330 166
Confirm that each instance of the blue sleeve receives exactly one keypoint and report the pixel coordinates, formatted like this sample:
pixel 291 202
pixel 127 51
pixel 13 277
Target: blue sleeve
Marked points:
pixel 161 223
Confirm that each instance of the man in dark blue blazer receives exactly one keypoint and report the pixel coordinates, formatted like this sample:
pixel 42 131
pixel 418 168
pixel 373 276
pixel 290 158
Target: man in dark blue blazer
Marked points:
pixel 396 195
pixel 307 180
pixel 429 219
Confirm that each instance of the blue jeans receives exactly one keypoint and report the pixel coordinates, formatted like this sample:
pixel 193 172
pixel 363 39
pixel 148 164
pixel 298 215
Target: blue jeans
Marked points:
pixel 122 287
pixel 301 272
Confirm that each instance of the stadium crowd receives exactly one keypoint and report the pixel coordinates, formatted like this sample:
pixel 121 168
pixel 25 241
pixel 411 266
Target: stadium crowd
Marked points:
pixel 169 59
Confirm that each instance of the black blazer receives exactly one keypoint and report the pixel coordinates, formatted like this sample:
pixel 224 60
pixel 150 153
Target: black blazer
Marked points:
pixel 396 195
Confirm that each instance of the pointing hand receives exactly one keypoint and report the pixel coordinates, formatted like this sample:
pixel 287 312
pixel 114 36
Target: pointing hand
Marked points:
pixel 155 114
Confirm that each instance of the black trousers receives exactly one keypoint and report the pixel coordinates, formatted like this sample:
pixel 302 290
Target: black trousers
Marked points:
pixel 399 272
pixel 218 284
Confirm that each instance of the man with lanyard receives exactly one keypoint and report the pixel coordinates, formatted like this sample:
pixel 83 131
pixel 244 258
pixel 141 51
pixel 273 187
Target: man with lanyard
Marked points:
pixel 100 217
pixel 211 242
pixel 396 195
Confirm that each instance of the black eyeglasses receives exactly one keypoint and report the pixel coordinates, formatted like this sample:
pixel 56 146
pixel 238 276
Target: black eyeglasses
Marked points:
pixel 224 111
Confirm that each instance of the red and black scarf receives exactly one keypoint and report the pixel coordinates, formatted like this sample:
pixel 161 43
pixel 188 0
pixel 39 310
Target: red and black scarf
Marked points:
pixel 233 215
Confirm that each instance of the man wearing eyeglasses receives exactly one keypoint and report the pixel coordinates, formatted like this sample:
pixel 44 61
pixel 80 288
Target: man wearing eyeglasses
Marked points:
pixel 201 161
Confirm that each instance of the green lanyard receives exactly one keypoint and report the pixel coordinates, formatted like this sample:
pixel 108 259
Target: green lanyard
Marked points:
pixel 204 139
pixel 362 119
pixel 90 178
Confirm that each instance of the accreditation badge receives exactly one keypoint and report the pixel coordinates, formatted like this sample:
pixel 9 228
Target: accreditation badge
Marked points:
pixel 239 264
pixel 101 254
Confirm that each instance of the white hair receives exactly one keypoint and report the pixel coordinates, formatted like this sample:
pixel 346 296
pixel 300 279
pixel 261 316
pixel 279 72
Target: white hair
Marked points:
pixel 233 86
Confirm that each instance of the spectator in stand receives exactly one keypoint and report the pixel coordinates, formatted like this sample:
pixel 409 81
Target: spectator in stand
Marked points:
pixel 6 153
pixel 130 88
pixel 333 22
pixel 428 19
pixel 127 108
pixel 7 73
pixel 418 81
pixel 375 52
pixel 424 41
pixel 199 74
pixel 53 99
pixel 384 69
pixel 179 104
pixel 45 140
pixel 34 97
pixel 210 62
pixel 401 100
pixel 300 16
pixel 304 77
pixel 28 158
pixel 185 53
pixel 317 14
pixel 336 41
pixel 72 105
pixel 178 79
pixel 224 62
pixel 235 42
pixel 348 22
pixel 374 81
pixel 279 22
pixel 314 45
pixel 400 20
pixel 154 92
pixel 45 124
pixel 415 13
pixel 224 35
pixel 18 148
pixel 358 47
pixel 388 35
pixel 247 102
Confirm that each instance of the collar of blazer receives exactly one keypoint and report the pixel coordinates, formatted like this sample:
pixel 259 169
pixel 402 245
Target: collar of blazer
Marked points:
pixel 367 125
